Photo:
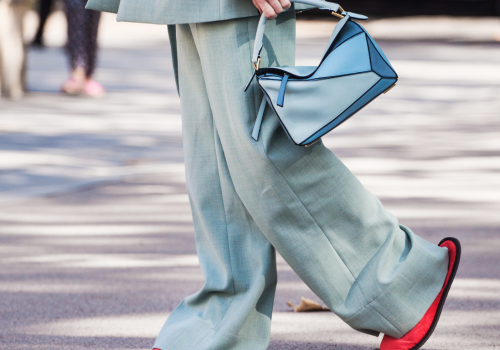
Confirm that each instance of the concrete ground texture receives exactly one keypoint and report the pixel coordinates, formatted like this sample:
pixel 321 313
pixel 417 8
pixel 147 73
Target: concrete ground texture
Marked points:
pixel 96 237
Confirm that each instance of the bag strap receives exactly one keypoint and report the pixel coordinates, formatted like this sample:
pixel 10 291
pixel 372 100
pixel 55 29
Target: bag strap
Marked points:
pixel 336 10
pixel 258 121
pixel 323 5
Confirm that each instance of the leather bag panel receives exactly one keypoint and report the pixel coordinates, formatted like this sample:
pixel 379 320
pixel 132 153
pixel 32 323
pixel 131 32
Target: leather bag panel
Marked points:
pixel 328 98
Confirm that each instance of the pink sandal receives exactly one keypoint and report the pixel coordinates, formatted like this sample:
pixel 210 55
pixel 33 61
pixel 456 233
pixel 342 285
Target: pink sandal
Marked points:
pixel 72 86
pixel 94 89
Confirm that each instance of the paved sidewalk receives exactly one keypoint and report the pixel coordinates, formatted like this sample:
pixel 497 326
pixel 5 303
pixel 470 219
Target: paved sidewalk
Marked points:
pixel 96 239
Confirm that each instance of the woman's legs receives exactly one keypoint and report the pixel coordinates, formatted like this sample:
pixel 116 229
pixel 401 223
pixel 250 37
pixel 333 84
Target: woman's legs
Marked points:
pixel 374 274
pixel 44 7
pixel 233 309
pixel 91 26
pixel 82 48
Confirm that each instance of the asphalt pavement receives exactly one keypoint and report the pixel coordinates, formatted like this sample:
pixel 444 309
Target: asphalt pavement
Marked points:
pixel 96 237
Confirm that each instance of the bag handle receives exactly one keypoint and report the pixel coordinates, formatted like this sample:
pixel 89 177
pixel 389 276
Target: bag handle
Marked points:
pixel 336 10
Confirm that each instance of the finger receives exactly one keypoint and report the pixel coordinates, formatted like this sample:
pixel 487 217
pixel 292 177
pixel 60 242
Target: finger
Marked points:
pixel 286 4
pixel 276 6
pixel 267 10
pixel 256 4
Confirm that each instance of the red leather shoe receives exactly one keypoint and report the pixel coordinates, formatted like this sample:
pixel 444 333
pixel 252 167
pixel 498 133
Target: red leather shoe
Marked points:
pixel 156 349
pixel 417 337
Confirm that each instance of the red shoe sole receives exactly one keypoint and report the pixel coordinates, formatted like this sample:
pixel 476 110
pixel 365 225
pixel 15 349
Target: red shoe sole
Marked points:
pixel 434 323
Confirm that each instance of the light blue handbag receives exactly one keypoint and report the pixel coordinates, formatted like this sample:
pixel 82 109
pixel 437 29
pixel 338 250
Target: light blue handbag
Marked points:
pixel 311 101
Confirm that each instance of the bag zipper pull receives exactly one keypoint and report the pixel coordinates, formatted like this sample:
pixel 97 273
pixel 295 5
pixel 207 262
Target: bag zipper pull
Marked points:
pixel 281 94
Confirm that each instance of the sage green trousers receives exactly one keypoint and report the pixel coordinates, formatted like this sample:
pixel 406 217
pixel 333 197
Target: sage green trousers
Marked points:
pixel 249 198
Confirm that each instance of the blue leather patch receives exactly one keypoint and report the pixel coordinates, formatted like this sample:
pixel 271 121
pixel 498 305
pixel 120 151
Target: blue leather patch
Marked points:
pixel 281 94
pixel 350 29
pixel 379 65
pixel 328 98
pixel 349 58
pixel 379 50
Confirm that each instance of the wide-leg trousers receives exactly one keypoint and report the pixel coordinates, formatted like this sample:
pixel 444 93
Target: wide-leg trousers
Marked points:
pixel 249 198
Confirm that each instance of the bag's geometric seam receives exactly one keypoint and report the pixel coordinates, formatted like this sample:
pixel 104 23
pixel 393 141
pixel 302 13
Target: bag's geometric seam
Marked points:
pixel 323 78
pixel 333 47
pixel 268 98
pixel 310 74
pixel 375 46
pixel 381 54
pixel 345 119
pixel 326 55
pixel 371 64
pixel 338 115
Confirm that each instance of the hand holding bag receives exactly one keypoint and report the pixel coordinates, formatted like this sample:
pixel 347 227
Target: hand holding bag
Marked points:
pixel 311 101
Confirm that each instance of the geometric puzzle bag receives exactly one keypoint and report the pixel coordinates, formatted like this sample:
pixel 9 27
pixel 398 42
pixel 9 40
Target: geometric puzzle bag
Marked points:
pixel 310 101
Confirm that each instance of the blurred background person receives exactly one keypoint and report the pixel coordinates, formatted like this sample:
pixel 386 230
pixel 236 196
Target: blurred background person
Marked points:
pixel 82 49
pixel 44 7
pixel 12 52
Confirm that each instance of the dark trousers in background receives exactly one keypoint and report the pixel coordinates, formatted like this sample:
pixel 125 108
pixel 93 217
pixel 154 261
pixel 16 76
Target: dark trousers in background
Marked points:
pixel 44 7
pixel 82 35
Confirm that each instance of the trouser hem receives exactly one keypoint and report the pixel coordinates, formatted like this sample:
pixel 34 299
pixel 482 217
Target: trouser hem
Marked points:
pixel 398 314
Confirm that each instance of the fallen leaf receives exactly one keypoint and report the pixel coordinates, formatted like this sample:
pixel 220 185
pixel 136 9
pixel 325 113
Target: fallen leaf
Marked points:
pixel 307 305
